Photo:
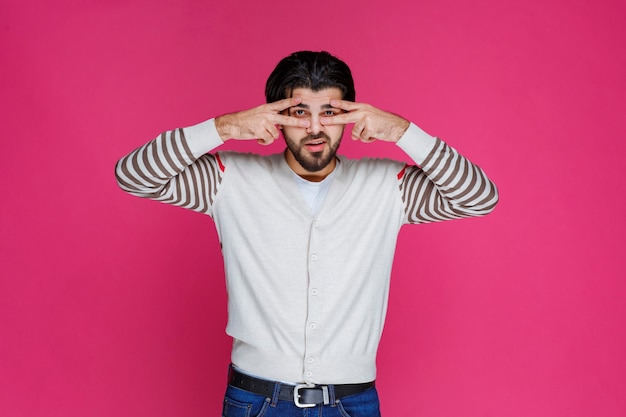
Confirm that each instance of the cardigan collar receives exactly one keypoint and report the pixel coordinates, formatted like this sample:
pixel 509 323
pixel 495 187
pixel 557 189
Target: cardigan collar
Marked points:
pixel 283 175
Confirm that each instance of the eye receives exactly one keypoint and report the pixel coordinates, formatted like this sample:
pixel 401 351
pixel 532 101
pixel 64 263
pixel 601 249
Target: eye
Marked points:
pixel 329 113
pixel 299 113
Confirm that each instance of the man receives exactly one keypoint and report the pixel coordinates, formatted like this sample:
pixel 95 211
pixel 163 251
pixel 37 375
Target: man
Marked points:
pixel 307 236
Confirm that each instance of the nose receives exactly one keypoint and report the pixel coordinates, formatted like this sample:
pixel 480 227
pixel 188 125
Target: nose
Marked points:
pixel 314 124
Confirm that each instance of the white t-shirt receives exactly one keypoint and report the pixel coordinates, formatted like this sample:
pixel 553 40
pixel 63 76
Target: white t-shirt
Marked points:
pixel 314 193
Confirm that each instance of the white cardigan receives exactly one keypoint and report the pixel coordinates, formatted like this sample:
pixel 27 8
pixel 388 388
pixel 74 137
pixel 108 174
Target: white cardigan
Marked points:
pixel 307 296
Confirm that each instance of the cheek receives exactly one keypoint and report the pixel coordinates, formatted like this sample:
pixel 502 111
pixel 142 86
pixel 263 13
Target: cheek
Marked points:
pixel 335 132
pixel 293 133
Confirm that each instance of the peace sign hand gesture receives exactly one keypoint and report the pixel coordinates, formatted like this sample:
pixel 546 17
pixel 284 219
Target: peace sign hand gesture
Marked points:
pixel 370 123
pixel 258 123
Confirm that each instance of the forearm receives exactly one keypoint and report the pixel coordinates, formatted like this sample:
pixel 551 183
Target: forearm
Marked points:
pixel 173 167
pixel 446 185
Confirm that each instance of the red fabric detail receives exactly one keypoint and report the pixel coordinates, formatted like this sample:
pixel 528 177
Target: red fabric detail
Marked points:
pixel 219 162
pixel 401 173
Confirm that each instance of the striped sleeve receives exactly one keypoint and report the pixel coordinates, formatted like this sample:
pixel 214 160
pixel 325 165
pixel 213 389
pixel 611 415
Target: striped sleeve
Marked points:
pixel 167 170
pixel 447 186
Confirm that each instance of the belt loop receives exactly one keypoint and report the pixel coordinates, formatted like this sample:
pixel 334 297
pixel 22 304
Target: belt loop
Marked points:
pixel 230 372
pixel 275 394
pixel 331 394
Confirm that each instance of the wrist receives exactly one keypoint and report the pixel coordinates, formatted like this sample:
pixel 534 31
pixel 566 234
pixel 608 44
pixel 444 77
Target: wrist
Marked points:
pixel 223 128
pixel 401 130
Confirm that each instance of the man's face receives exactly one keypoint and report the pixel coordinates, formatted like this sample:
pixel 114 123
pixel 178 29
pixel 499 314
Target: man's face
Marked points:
pixel 311 151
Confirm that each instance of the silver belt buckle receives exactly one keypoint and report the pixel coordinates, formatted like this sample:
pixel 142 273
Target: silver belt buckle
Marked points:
pixel 296 395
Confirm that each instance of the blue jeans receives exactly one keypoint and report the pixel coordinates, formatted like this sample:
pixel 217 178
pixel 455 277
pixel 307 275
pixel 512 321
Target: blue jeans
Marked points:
pixel 240 403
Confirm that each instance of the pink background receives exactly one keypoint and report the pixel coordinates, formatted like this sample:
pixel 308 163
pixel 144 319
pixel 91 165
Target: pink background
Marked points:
pixel 115 306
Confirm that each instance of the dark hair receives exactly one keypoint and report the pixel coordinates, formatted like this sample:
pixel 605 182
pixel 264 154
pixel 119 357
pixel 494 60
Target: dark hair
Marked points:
pixel 307 69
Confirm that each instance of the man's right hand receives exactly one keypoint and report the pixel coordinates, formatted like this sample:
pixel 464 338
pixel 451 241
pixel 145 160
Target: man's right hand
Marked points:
pixel 261 123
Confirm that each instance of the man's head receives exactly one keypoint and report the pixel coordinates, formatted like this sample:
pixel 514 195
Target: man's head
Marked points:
pixel 313 70
pixel 316 78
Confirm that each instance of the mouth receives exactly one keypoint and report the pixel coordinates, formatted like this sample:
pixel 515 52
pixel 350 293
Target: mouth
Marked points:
pixel 315 145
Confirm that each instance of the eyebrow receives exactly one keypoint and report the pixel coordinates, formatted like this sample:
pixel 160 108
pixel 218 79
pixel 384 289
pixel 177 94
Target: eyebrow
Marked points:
pixel 306 106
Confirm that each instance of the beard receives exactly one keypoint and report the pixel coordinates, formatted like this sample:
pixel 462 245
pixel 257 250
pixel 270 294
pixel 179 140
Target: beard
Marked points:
pixel 313 161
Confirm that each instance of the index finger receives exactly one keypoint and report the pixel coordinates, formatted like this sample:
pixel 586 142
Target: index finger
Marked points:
pixel 345 105
pixel 283 120
pixel 284 104
pixel 340 119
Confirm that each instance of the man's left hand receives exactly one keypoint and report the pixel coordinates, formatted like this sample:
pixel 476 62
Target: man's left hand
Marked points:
pixel 370 123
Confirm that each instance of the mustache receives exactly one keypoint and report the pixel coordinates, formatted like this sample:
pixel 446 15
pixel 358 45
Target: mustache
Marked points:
pixel 320 135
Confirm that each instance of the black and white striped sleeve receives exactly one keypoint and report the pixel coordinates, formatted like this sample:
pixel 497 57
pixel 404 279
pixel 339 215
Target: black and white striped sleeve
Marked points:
pixel 445 186
pixel 168 169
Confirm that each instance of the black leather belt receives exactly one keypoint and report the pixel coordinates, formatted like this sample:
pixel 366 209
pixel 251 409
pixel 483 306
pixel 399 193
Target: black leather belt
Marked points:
pixel 303 395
